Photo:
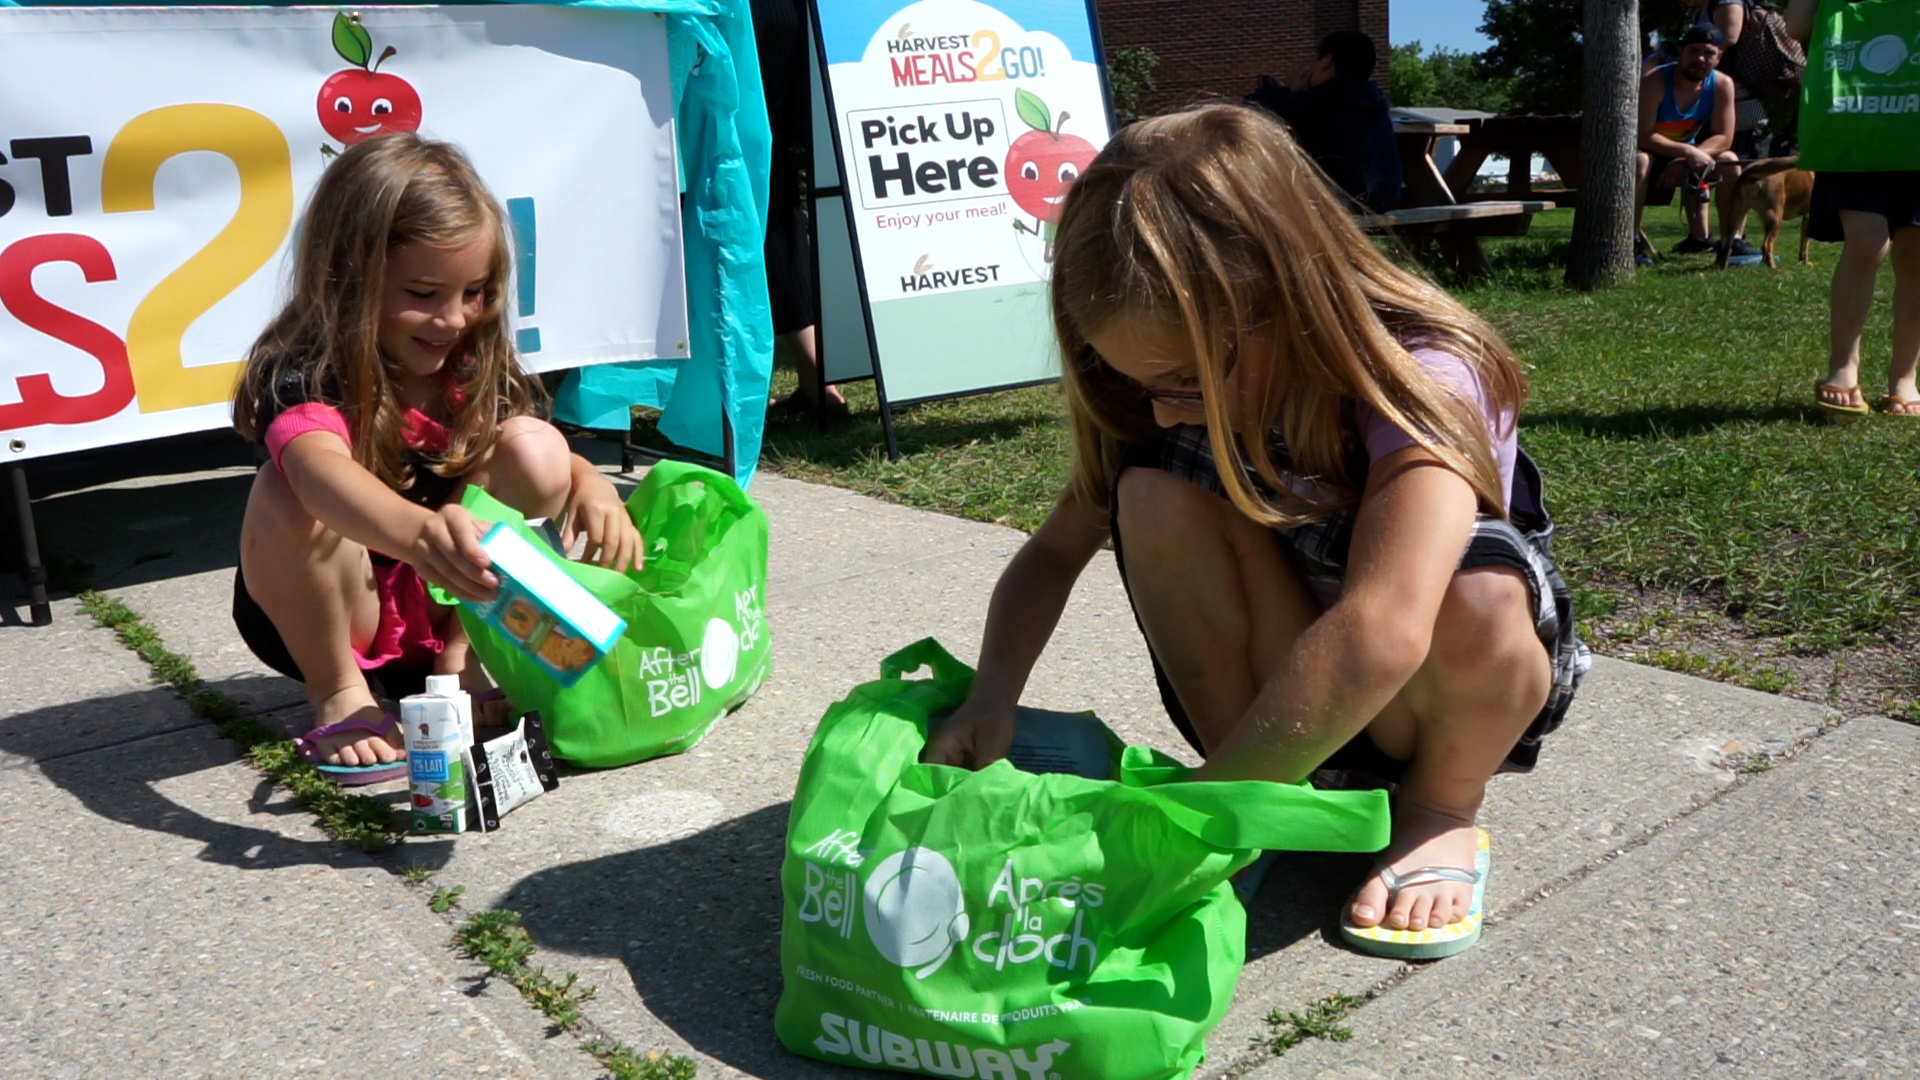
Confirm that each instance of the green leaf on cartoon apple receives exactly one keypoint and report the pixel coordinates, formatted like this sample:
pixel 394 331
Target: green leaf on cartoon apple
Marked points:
pixel 1031 109
pixel 351 40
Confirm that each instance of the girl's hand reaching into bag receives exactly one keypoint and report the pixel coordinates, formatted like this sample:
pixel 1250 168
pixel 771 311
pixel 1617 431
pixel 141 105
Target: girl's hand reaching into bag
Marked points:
pixel 596 510
pixel 975 736
pixel 446 551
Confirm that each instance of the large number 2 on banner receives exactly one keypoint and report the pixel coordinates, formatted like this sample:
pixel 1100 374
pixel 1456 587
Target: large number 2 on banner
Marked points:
pixel 260 152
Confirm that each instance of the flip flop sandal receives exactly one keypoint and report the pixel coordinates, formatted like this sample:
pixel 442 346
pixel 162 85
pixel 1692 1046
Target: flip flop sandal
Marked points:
pixel 355 775
pixel 1830 408
pixel 1893 405
pixel 1435 941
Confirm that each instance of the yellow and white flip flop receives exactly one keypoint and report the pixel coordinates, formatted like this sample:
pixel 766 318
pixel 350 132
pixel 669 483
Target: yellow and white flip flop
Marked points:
pixel 1435 941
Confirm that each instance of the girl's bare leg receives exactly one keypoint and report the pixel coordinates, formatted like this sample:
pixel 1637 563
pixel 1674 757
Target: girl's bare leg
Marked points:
pixel 1221 606
pixel 530 468
pixel 1852 293
pixel 317 587
pixel 1906 314
pixel 1485 678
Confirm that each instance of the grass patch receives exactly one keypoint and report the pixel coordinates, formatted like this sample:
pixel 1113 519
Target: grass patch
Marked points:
pixel 356 820
pixel 1761 677
pixel 1320 1020
pixel 497 941
pixel 1673 419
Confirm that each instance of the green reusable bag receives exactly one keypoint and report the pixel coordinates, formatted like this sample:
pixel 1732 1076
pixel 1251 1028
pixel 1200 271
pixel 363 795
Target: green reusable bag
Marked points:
pixel 1011 926
pixel 1860 106
pixel 696 644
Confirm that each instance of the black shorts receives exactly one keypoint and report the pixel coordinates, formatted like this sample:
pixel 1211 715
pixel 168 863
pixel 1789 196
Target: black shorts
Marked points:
pixel 264 640
pixel 1318 551
pixel 1892 195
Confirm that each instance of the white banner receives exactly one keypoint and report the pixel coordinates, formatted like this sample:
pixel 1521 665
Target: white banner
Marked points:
pixel 961 126
pixel 157 161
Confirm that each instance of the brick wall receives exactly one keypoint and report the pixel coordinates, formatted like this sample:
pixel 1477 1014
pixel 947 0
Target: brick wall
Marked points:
pixel 1212 50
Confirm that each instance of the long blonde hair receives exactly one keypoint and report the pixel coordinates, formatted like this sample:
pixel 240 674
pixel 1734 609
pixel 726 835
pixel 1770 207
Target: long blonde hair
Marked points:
pixel 382 193
pixel 1214 221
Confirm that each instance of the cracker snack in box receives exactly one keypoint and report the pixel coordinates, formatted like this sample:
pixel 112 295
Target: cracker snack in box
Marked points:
pixel 550 616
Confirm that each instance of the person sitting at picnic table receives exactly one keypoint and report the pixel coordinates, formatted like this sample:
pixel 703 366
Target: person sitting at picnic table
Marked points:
pixel 1340 118
pixel 1686 136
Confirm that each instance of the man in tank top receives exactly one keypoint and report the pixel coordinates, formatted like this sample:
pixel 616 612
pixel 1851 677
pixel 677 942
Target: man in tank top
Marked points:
pixel 1686 134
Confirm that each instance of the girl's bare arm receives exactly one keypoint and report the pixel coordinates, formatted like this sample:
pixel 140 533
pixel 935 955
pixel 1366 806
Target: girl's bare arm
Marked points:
pixel 443 545
pixel 1413 523
pixel 594 508
pixel 1026 606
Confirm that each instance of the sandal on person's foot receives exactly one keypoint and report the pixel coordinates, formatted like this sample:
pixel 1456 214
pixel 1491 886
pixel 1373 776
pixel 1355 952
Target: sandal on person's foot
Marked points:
pixel 832 409
pixel 356 775
pixel 1855 404
pixel 1895 405
pixel 1433 942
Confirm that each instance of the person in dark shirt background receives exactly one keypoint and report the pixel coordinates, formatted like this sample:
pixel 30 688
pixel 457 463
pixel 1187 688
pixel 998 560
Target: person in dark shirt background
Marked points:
pixel 1340 117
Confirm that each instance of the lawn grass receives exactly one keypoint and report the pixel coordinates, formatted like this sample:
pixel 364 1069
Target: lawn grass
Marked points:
pixel 1672 418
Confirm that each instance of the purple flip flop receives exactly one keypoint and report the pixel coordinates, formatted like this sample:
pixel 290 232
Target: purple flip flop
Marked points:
pixel 355 775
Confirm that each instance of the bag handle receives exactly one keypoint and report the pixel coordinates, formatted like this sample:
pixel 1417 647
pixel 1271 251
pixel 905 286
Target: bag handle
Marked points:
pixel 1259 813
pixel 926 653
pixel 675 473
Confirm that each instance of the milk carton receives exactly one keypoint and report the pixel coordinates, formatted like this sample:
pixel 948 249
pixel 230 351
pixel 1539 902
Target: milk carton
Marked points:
pixel 550 616
pixel 439 734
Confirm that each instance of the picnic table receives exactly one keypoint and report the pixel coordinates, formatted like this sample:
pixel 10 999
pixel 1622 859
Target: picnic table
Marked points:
pixel 1518 139
pixel 1430 211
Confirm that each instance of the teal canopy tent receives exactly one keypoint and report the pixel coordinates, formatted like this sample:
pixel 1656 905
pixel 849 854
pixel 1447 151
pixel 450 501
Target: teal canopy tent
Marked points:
pixel 721 122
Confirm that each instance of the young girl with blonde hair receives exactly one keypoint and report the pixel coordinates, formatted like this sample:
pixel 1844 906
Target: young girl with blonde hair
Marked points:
pixel 1305 458
pixel 386 384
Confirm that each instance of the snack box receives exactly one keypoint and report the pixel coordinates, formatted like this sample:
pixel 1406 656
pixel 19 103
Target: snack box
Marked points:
pixel 550 616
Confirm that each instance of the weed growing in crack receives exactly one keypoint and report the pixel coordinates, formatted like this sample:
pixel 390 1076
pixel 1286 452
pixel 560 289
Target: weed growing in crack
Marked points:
pixel 445 900
pixel 1319 1020
pixel 359 821
pixel 497 941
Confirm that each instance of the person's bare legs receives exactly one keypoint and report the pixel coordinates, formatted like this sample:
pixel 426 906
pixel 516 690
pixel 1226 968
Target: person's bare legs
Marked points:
pixel 531 470
pixel 1906 315
pixel 803 346
pixel 1642 179
pixel 1486 677
pixel 1221 606
pixel 1218 600
pixel 317 587
pixel 1851 302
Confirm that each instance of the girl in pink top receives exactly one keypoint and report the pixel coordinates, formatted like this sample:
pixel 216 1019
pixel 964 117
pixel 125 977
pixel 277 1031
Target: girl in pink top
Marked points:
pixel 386 384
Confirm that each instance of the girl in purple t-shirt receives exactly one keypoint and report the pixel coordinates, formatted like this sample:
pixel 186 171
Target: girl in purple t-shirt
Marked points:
pixel 1304 456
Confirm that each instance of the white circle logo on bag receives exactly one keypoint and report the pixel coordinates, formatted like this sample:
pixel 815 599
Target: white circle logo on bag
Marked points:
pixel 1883 55
pixel 719 654
pixel 915 912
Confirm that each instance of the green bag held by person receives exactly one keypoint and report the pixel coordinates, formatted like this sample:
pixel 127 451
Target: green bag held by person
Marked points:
pixel 1008 925
pixel 696 644
pixel 1860 107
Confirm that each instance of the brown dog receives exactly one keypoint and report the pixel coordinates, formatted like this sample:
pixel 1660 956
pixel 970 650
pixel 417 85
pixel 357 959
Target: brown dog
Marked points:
pixel 1778 191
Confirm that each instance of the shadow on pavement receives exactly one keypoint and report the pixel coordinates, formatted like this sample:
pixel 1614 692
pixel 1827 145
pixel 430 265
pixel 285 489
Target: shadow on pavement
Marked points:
pixel 128 515
pixel 115 774
pixel 697 923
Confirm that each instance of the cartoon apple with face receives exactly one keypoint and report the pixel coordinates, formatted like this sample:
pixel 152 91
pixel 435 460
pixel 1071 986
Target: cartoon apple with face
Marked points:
pixel 361 102
pixel 1042 165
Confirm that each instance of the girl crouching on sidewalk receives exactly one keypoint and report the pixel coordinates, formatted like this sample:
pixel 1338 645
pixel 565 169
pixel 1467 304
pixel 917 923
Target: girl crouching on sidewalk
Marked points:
pixel 1305 458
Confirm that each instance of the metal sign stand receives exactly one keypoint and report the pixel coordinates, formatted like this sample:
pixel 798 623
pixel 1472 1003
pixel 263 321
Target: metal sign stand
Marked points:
pixel 31 571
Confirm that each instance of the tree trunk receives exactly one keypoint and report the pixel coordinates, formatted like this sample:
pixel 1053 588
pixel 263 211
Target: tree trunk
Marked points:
pixel 1602 251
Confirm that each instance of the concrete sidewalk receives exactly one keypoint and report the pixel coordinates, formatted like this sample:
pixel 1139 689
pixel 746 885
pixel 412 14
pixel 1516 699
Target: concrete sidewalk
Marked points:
pixel 1695 876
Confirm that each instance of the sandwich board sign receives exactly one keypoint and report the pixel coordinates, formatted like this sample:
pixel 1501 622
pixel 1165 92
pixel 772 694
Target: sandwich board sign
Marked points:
pixel 946 135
